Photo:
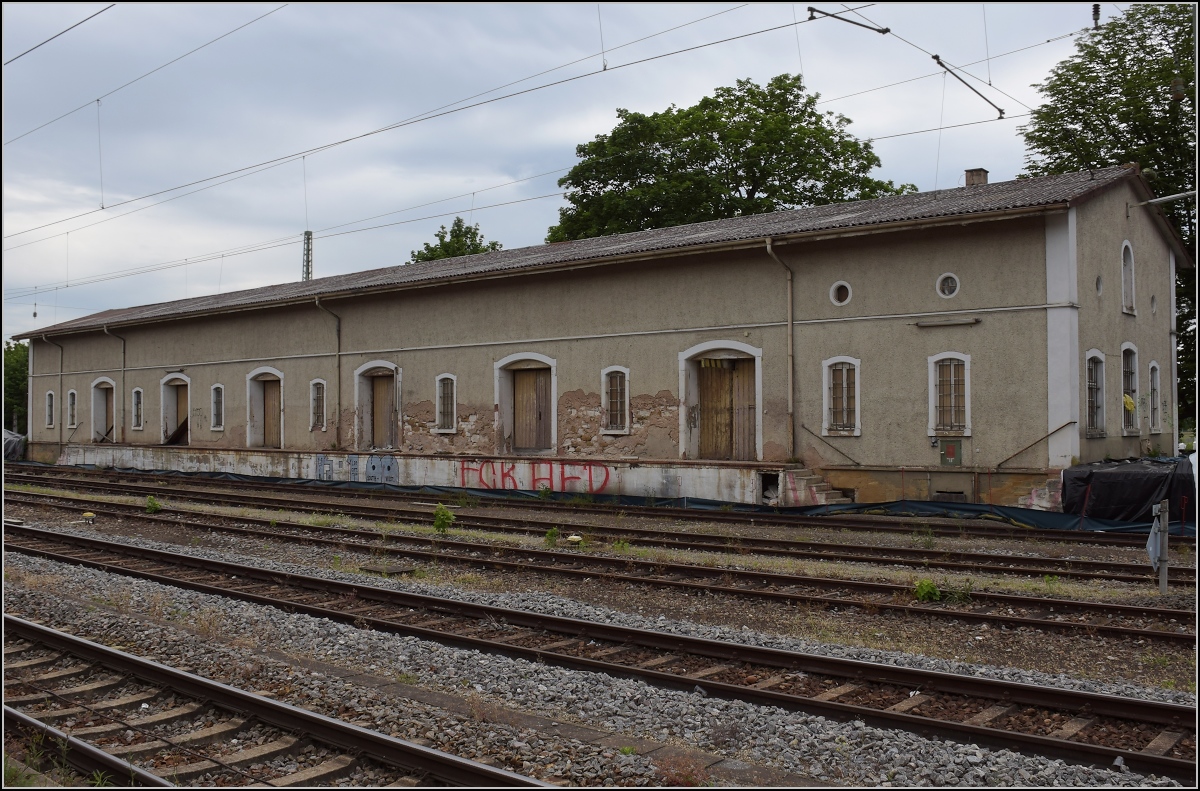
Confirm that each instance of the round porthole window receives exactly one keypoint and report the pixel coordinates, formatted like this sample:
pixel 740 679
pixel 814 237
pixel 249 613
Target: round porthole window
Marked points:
pixel 1099 285
pixel 840 293
pixel 947 285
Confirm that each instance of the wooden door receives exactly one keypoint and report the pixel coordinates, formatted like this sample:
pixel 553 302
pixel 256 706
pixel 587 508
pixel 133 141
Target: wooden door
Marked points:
pixel 542 389
pixel 383 411
pixel 716 409
pixel 181 410
pixel 109 428
pixel 271 405
pixel 525 410
pixel 744 427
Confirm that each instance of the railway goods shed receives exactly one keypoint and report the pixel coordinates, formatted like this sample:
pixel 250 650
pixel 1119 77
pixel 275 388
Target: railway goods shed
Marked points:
pixel 959 344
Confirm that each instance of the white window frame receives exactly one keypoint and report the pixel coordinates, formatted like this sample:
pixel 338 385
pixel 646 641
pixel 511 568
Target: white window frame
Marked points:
pixel 137 398
pixel 937 285
pixel 833 293
pixel 1101 430
pixel 934 359
pixel 1154 376
pixel 1137 392
pixel 1128 300
pixel 437 404
pixel 214 425
pixel 72 409
pixel 50 409
pixel 604 430
pixel 312 399
pixel 826 383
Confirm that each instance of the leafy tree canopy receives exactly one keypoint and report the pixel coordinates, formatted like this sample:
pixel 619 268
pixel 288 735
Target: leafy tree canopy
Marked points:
pixel 461 239
pixel 748 149
pixel 16 377
pixel 1128 95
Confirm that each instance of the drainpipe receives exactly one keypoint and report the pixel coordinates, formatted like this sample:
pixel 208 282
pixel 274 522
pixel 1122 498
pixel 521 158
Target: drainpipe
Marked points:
pixel 57 402
pixel 790 353
pixel 122 340
pixel 337 423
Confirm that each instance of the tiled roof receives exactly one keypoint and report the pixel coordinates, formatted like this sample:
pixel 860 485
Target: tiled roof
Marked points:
pixel 984 198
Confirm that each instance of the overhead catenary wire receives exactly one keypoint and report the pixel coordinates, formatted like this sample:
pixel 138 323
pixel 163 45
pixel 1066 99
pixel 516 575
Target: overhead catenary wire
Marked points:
pixel 147 74
pixel 426 117
pixel 56 35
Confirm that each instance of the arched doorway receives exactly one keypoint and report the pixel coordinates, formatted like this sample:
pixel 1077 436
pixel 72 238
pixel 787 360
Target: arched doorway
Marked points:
pixel 175 406
pixel 720 386
pixel 526 404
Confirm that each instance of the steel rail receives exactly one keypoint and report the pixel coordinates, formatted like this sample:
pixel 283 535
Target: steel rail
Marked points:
pixel 881 523
pixel 489 560
pixel 1172 715
pixel 343 735
pixel 958 561
pixel 84 758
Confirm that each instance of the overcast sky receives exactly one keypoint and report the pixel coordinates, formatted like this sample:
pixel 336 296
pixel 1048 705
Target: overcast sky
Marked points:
pixel 309 75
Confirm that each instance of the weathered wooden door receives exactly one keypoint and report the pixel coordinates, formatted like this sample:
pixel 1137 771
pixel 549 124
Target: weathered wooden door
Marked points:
pixel 716 409
pixel 181 411
pixel 271 427
pixel 744 423
pixel 383 411
pixel 531 409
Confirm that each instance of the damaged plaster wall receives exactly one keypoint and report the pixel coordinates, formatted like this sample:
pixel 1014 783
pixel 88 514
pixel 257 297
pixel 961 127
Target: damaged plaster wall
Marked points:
pixel 653 427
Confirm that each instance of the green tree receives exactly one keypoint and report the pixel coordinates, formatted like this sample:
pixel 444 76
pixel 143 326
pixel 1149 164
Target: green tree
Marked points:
pixel 461 239
pixel 16 379
pixel 748 149
pixel 1128 95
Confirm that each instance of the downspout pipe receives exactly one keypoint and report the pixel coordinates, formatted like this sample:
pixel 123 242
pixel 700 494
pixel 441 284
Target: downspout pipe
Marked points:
pixel 122 340
pixel 791 331
pixel 57 402
pixel 337 422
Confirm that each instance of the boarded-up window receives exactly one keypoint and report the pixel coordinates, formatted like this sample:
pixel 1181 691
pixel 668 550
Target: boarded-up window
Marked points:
pixel 317 397
pixel 843 412
pixel 446 403
pixel 615 391
pixel 951 395
pixel 1095 395
pixel 50 409
pixel 137 409
pixel 531 409
pixel 218 407
pixel 71 409
pixel 1129 389
pixel 1154 405
pixel 272 430
pixel 727 409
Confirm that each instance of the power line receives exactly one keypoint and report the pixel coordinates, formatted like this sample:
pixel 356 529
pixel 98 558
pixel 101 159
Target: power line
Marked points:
pixel 426 117
pixel 56 35
pixel 147 74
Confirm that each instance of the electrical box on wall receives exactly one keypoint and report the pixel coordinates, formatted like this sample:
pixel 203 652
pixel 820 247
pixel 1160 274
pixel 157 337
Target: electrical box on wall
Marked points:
pixel 951 452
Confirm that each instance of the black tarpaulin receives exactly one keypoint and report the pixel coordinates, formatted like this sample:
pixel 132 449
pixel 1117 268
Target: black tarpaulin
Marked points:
pixel 1127 490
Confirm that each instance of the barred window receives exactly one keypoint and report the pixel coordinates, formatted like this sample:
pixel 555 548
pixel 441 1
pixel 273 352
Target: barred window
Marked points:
pixel 317 399
pixel 1129 390
pixel 218 407
pixel 1095 395
pixel 447 400
pixel 951 395
pixel 616 401
pixel 137 408
pixel 50 409
pixel 1155 424
pixel 843 411
pixel 71 409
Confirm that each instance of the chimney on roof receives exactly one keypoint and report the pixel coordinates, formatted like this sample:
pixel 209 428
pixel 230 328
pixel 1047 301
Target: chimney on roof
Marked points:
pixel 976 176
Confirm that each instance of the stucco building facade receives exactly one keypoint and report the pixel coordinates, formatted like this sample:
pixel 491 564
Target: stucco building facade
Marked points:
pixel 963 344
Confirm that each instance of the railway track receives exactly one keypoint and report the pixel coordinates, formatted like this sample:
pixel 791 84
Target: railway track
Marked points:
pixel 1150 737
pixel 993 527
pixel 1001 610
pixel 966 562
pixel 117 717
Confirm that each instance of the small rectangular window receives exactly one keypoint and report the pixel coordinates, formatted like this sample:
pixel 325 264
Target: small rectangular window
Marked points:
pixel 1095 396
pixel 318 406
pixel 951 395
pixel 71 409
pixel 218 407
pixel 137 408
pixel 616 401
pixel 842 409
pixel 446 404
pixel 1129 390
pixel 50 410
